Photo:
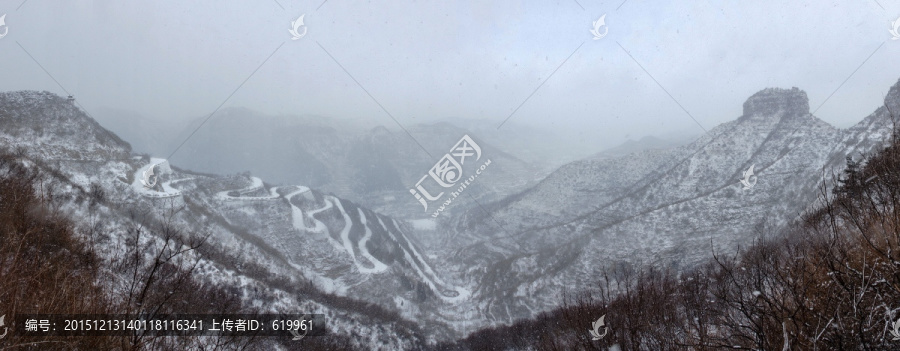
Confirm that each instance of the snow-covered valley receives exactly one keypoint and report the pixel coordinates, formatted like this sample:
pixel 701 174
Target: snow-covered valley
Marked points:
pixel 507 255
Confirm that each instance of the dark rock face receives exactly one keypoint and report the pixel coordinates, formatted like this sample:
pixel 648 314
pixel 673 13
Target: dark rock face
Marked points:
pixel 770 101
pixel 892 100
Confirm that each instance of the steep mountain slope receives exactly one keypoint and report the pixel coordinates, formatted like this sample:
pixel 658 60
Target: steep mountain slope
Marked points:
pixel 263 244
pixel 667 208
pixel 476 265
pixel 341 246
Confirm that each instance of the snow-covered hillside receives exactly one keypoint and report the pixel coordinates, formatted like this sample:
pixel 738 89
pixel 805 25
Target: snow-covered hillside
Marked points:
pixel 49 127
pixel 82 157
pixel 668 208
pixel 301 247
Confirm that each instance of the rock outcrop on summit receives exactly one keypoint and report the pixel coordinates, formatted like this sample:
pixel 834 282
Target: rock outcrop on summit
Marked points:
pixel 773 101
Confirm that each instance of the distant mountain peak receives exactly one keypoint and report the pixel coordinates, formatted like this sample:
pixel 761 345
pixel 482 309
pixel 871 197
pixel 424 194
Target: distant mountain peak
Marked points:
pixel 771 101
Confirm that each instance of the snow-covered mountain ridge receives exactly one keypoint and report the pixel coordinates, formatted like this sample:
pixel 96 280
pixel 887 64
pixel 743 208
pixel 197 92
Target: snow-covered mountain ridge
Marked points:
pixel 509 259
pixel 273 246
pixel 668 208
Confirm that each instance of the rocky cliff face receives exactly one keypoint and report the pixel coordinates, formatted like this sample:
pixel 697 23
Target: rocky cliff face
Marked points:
pixel 772 102
pixel 668 208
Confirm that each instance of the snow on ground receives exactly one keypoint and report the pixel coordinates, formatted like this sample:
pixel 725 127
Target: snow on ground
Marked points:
pixel 345 237
pixel 255 183
pixel 425 271
pixel 424 224
pixel 168 189
pixel 298 218
pixel 299 223
pixel 160 167
pixel 320 227
pixel 297 214
pixel 378 266
pixel 177 180
pixel 327 284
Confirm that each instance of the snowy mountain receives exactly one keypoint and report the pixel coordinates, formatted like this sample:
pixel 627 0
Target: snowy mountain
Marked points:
pixel 283 250
pixel 664 207
pixel 375 166
pixel 372 269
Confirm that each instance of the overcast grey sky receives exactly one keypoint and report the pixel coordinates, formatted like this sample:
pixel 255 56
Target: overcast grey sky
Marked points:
pixel 429 60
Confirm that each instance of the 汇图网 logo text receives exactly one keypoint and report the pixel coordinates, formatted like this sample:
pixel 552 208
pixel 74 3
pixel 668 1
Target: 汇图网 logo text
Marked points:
pixel 448 172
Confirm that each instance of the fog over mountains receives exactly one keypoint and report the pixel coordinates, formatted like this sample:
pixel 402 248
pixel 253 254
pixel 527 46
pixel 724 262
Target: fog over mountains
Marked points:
pixel 328 203
pixel 370 164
